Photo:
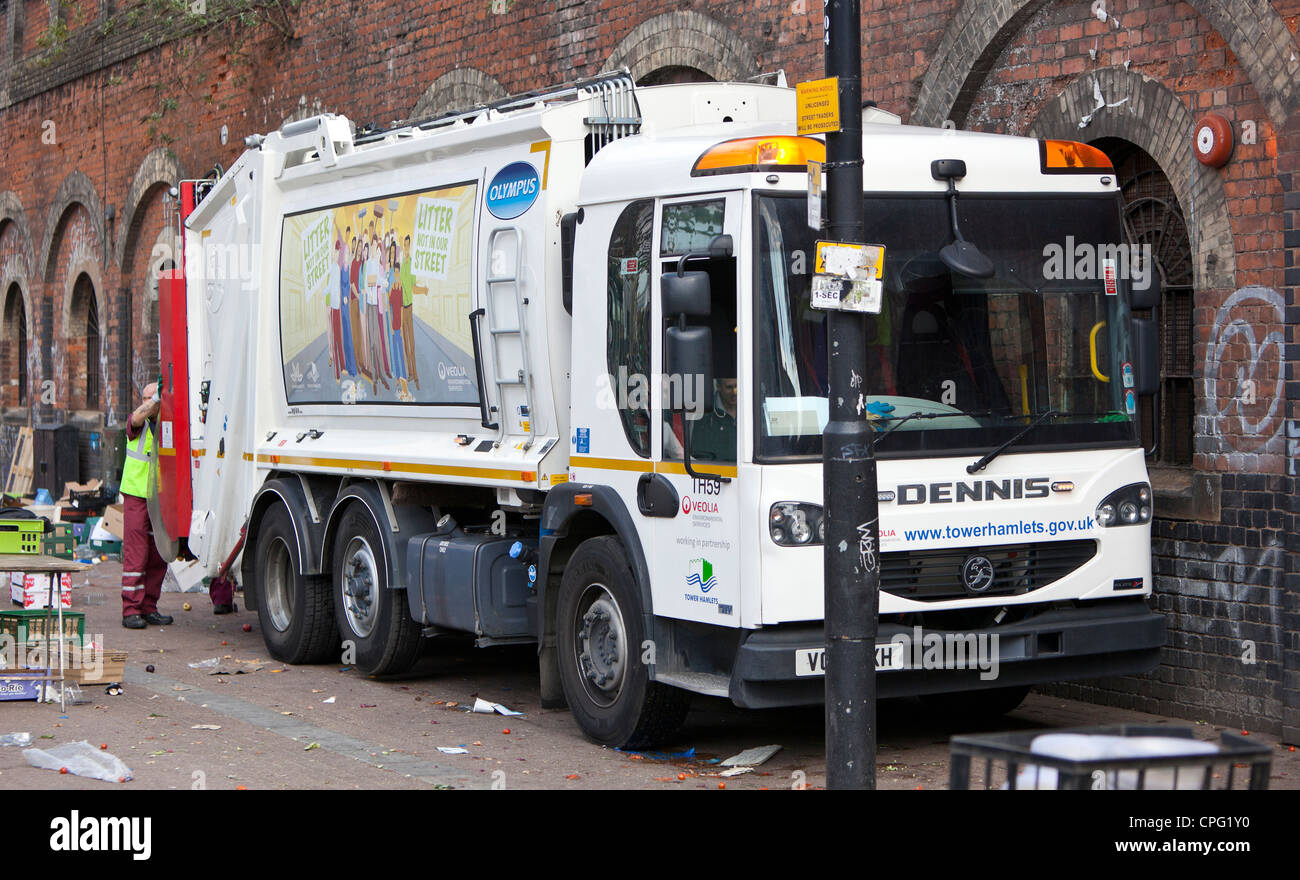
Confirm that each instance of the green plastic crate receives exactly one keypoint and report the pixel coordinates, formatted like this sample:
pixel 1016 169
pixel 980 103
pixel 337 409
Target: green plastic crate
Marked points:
pixel 21 535
pixel 59 546
pixel 30 623
pixel 108 547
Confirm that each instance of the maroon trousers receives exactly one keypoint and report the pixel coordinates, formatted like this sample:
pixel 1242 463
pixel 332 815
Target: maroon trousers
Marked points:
pixel 143 567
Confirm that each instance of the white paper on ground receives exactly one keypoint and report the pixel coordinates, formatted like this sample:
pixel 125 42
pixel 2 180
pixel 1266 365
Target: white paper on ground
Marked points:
pixel 483 707
pixel 752 757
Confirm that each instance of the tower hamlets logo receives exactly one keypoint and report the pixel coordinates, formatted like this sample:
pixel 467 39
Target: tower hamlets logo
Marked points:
pixel 701 575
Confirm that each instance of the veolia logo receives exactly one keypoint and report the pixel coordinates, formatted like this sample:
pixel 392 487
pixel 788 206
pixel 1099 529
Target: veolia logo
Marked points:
pixel 513 190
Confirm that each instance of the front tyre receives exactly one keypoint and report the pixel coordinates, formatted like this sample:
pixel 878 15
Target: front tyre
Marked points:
pixel 600 635
pixel 296 611
pixel 369 614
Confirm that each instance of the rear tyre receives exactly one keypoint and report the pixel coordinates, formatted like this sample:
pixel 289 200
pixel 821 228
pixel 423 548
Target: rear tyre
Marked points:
pixel 370 615
pixel 296 611
pixel 600 633
pixel 983 705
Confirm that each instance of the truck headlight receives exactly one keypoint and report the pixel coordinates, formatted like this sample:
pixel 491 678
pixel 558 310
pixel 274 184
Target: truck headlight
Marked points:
pixel 1127 506
pixel 794 523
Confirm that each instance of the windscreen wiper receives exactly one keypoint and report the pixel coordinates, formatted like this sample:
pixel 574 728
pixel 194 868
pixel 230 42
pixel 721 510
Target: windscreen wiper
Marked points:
pixel 924 414
pixel 982 463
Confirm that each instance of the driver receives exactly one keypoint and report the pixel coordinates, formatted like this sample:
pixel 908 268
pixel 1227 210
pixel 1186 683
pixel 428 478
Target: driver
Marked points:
pixel 713 437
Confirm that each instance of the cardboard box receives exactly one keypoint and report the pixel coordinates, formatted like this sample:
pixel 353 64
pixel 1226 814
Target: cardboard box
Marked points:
pixel 33 590
pixel 114 670
pixel 115 520
pixel 70 487
pixel 183 577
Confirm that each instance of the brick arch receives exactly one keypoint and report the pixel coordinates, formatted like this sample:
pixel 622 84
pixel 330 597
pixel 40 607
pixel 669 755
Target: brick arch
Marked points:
pixel 160 168
pixel 12 211
pixel 981 29
pixel 76 189
pixel 1155 119
pixel 458 89
pixel 684 39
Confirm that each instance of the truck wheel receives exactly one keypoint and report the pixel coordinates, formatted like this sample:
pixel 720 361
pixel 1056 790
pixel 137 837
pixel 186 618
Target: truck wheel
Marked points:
pixel 985 705
pixel 296 611
pixel 600 633
pixel 369 614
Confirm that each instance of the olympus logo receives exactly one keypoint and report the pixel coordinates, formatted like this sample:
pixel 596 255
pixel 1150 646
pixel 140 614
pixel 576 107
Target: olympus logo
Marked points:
pixel 979 490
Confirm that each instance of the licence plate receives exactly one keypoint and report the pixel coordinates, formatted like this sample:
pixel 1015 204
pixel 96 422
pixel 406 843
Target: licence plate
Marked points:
pixel 812 661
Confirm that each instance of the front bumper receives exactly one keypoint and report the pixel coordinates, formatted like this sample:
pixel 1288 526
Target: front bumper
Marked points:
pixel 1077 641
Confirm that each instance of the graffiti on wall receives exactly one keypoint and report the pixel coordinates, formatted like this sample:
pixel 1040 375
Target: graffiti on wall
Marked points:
pixel 1243 371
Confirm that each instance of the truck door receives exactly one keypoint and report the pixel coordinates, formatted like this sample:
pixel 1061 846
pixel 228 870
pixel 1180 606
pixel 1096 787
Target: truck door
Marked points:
pixel 695 559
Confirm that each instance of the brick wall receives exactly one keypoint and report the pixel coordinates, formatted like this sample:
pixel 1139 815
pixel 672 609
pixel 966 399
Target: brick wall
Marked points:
pixel 102 119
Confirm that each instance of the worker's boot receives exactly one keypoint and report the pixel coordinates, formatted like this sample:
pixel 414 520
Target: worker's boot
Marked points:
pixel 153 618
pixel 134 621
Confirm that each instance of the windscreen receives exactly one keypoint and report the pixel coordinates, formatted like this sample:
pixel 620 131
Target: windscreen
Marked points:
pixel 956 364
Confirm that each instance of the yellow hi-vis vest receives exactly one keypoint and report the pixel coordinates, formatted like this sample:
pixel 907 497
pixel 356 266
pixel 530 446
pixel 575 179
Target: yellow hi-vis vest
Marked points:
pixel 135 472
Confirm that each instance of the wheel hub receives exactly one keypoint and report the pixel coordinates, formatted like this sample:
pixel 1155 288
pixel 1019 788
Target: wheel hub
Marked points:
pixel 360 586
pixel 279 585
pixel 602 645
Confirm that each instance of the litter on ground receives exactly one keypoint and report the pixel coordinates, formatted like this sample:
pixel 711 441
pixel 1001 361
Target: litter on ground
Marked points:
pixel 80 759
pixel 751 757
pixel 483 707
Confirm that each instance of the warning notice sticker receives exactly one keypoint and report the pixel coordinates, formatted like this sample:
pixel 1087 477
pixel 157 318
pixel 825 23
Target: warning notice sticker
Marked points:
pixel 818 104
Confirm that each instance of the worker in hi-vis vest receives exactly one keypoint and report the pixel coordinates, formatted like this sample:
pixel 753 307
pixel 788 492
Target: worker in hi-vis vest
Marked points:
pixel 143 567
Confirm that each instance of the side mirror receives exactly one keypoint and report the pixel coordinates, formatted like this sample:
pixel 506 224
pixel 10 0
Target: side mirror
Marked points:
pixel 689 355
pixel 686 294
pixel 568 235
pixel 1146 357
pixel 1147 296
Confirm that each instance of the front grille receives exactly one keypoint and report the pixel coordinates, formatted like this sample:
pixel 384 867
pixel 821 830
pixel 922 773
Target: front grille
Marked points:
pixel 934 575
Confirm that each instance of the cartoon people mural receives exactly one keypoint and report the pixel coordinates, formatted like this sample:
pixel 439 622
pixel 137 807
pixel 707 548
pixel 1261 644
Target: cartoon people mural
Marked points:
pixel 395 297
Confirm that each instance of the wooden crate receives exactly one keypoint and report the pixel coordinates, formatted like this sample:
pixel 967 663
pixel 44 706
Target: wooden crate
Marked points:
pixel 19 480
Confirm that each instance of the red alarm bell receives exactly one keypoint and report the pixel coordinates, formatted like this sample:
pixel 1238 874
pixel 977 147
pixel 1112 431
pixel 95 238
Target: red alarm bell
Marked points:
pixel 1213 140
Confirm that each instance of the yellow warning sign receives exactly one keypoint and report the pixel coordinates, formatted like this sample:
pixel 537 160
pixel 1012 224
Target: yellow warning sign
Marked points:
pixel 819 105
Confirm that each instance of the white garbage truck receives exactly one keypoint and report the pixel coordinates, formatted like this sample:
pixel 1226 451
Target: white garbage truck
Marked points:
pixel 548 371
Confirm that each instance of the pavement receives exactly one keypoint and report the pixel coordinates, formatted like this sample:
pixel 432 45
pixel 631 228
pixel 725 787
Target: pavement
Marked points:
pixel 252 722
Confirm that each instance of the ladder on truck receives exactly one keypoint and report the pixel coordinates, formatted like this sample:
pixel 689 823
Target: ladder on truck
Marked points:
pixel 618 114
pixel 506 333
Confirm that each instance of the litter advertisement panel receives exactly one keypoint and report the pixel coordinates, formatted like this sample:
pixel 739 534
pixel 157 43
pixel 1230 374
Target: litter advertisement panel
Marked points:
pixel 375 300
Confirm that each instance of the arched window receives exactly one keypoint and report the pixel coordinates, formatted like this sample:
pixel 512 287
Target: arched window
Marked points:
pixel 15 345
pixel 85 313
pixel 1153 217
